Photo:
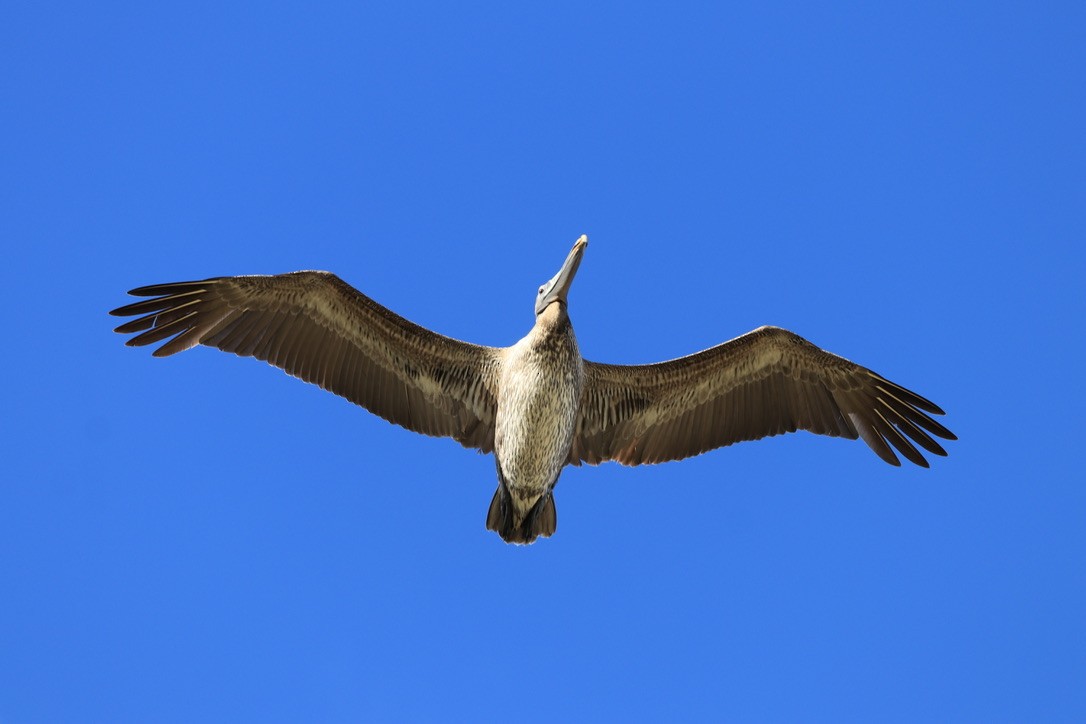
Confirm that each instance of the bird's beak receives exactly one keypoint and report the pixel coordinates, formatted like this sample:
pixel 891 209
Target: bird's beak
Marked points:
pixel 558 287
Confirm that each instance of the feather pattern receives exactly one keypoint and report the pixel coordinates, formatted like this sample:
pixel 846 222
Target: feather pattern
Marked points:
pixel 767 382
pixel 320 329
pixel 538 405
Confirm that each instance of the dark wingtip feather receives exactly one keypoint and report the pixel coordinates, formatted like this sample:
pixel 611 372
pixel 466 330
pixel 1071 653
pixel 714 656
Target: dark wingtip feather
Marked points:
pixel 125 311
pixel 908 396
pixel 135 325
pixel 933 426
pixel 161 290
pixel 878 444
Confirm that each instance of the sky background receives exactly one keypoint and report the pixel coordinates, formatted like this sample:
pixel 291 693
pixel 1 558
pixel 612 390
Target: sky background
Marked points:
pixel 206 538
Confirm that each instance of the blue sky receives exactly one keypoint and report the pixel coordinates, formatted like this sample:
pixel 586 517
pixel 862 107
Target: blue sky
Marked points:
pixel 205 538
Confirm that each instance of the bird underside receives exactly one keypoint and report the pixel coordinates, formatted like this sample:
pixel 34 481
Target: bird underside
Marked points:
pixel 527 402
pixel 516 518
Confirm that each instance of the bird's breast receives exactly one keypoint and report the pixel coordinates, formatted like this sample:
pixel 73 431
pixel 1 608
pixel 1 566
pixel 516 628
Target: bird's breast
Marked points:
pixel 538 402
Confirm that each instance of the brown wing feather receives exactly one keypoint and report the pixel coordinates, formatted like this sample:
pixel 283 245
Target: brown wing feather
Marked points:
pixel 318 328
pixel 767 382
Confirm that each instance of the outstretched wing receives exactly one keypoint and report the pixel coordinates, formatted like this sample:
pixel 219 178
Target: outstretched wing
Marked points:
pixel 767 382
pixel 320 329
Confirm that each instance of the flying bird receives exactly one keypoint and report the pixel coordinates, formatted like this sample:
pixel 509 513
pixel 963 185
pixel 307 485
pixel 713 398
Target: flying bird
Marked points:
pixel 537 405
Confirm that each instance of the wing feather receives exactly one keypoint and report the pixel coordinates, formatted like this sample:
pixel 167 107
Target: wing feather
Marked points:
pixel 767 382
pixel 318 328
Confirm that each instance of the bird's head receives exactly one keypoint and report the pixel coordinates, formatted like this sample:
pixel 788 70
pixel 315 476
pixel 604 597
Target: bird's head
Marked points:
pixel 557 288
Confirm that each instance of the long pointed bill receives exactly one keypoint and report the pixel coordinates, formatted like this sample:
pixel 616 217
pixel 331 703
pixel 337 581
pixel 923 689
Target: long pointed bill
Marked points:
pixel 558 287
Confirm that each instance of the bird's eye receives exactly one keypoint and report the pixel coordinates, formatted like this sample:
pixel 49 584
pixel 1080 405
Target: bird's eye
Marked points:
pixel 541 290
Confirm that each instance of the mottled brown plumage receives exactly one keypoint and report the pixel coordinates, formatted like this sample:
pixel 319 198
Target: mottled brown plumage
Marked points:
pixel 537 405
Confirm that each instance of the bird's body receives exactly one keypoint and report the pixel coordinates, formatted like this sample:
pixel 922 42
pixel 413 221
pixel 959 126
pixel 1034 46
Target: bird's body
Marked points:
pixel 539 398
pixel 538 405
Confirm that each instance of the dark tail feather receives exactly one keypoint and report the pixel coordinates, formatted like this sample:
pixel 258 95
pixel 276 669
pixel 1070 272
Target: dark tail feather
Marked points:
pixel 542 519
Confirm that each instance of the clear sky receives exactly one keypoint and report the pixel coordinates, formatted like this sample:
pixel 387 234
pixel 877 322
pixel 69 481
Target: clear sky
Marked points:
pixel 206 538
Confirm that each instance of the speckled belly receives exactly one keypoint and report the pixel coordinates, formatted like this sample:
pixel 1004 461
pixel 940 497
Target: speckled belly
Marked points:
pixel 536 416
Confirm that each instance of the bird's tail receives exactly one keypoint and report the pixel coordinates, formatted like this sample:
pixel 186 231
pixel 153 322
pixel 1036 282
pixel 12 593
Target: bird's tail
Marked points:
pixel 541 520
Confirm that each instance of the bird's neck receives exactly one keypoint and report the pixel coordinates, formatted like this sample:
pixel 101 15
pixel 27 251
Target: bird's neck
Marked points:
pixel 553 319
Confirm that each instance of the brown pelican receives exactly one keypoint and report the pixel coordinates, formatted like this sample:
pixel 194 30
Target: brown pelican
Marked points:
pixel 537 405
